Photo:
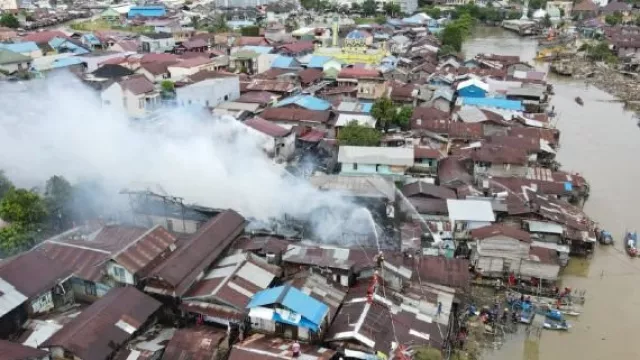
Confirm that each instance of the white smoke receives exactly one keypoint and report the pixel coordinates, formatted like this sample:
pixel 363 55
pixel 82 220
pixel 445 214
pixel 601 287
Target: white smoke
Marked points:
pixel 57 126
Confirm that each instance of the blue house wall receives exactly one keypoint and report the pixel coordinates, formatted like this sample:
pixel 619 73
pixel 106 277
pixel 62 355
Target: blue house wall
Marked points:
pixel 472 91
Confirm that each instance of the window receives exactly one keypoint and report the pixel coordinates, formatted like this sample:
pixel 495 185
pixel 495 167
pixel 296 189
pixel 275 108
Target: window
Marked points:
pixel 90 288
pixel 118 272
pixel 226 97
pixel 141 103
pixel 169 225
pixel 355 166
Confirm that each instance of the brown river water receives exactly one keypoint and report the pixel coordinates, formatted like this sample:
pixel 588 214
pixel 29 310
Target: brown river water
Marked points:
pixel 599 140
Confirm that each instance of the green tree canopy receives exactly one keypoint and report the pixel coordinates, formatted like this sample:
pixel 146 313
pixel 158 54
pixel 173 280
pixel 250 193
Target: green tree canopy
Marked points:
pixel 59 199
pixel 369 8
pixel 250 31
pixel 384 112
pixel 22 206
pixel 402 117
pixel 427 353
pixel 392 9
pixel 613 19
pixel 5 184
pixel 10 21
pixel 14 238
pixel 219 24
pixel 452 36
pixel 358 135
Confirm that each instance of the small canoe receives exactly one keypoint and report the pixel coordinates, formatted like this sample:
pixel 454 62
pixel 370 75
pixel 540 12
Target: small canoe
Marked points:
pixel 604 237
pixel 579 101
pixel 553 325
pixel 631 243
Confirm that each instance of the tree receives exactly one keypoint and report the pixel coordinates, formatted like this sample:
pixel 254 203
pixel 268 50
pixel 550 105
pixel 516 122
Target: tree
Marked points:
pixel 380 19
pixel 58 199
pixel 219 24
pixel 22 206
pixel 5 184
pixel 250 31
pixel 546 21
pixel 402 117
pixel 434 12
pixel 453 36
pixel 167 86
pixel 427 353
pixel 355 7
pixel 369 8
pixel 358 135
pixel 14 238
pixel 10 21
pixel 384 112
pixel 392 9
pixel 613 19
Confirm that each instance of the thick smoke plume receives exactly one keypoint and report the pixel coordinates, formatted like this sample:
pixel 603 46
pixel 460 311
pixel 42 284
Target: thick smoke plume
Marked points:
pixel 58 126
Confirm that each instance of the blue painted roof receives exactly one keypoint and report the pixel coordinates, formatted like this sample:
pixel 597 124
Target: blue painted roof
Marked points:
pixel 357 34
pixel 318 61
pixel 366 107
pixel 236 24
pixel 493 102
pixel 568 186
pixel 147 11
pixel 23 47
pixel 312 310
pixel 258 49
pixel 306 101
pixel 284 62
pixel 265 297
pixel 64 62
pixel 91 39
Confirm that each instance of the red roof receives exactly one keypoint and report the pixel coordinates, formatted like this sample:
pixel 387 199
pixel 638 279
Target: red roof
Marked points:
pixel 137 85
pixel 309 76
pixel 257 97
pixel 146 251
pixel 251 40
pixel 105 325
pixel 421 152
pixel 44 36
pixel 358 73
pixel 295 115
pixel 296 47
pixel 312 135
pixel 500 230
pixel 427 113
pixel 193 62
pixel 159 58
pixel 33 273
pixel 199 343
pixel 267 127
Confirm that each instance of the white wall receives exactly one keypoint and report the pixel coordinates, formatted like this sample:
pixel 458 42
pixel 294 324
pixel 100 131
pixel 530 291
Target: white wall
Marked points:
pixel 264 62
pixel 115 98
pixel 210 92
pixel 112 97
pixel 112 267
pixel 177 225
pixel 43 303
pixel 178 73
pixel 158 45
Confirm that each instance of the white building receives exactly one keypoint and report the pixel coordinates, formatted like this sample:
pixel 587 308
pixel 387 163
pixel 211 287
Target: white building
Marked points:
pixel 8 4
pixel 210 92
pixel 278 142
pixel 134 95
pixel 157 42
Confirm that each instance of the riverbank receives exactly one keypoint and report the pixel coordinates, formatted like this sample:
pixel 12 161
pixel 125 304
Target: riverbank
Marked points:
pixel 600 141
pixel 623 85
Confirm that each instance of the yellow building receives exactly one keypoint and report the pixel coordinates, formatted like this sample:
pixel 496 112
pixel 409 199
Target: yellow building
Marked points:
pixel 353 54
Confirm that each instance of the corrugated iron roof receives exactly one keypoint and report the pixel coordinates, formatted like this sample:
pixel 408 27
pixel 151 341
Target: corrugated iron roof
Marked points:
pixel 12 351
pixel 267 127
pixel 286 114
pixel 149 248
pixel 185 264
pixel 199 343
pixel 109 321
pixel 500 229
pixel 10 297
pixel 234 280
pixel 33 273
pixel 86 263
pixel 262 347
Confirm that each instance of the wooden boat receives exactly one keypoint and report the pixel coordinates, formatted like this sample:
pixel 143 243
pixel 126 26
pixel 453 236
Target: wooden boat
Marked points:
pixel 604 237
pixel 631 243
pixel 527 314
pixel 550 324
pixel 579 100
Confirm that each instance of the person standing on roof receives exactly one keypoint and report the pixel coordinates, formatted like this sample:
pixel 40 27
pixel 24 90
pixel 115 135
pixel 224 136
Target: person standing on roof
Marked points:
pixel 439 309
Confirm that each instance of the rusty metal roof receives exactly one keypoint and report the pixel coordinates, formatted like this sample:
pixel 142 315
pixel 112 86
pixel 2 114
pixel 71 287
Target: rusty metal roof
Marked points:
pixel 199 343
pixel 87 264
pixel 442 271
pixel 109 321
pixel 12 351
pixel 33 273
pixel 500 229
pixel 184 265
pixel 319 288
pixel 212 310
pixel 148 249
pixel 234 280
pixel 263 347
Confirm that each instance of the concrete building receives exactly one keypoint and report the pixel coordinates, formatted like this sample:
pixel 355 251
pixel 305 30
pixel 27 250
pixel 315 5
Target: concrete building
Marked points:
pixel 134 95
pixel 209 92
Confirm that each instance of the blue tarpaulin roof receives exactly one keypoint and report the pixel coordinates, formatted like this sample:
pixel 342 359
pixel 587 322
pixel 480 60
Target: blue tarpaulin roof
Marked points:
pixel 91 39
pixel 312 310
pixel 285 62
pixel 64 45
pixel 318 61
pixel 147 11
pixel 357 34
pixel 306 101
pixel 21 48
pixel 568 186
pixel 494 103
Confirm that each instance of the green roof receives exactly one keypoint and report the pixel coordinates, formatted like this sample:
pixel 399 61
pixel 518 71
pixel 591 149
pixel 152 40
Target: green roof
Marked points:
pixel 331 73
pixel 9 57
pixel 246 54
pixel 110 12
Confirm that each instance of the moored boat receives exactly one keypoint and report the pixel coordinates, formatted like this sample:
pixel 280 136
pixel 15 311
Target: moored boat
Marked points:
pixel 631 243
pixel 527 313
pixel 554 320
pixel 604 237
